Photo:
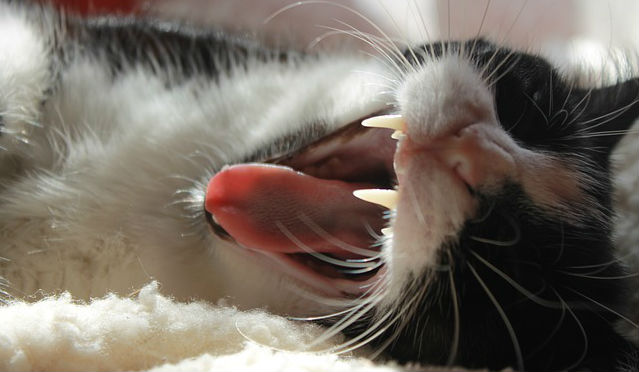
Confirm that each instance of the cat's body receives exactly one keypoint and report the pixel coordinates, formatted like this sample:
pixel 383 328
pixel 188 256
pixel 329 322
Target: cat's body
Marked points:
pixel 111 131
pixel 113 135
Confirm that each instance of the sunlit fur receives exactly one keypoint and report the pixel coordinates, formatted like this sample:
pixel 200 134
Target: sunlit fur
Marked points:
pixel 105 159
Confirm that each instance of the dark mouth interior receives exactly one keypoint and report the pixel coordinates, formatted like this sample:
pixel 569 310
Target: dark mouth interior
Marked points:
pixel 354 155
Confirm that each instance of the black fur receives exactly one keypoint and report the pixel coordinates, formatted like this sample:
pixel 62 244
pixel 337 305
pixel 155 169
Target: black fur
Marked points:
pixel 163 47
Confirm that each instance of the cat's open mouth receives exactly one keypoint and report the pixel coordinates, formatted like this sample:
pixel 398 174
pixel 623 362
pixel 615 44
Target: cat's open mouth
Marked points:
pixel 300 208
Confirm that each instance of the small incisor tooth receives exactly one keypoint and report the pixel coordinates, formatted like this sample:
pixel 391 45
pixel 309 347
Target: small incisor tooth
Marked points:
pixel 397 134
pixel 387 231
pixel 385 198
pixel 386 121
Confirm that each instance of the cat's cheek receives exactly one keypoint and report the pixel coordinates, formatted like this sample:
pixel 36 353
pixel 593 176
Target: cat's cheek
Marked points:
pixel 551 183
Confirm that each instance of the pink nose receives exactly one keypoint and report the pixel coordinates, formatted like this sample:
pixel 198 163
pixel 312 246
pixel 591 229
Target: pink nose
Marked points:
pixel 481 154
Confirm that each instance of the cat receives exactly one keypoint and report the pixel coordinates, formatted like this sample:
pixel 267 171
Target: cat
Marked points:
pixel 137 149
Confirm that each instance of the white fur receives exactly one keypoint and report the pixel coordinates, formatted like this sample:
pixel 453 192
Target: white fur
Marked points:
pixel 24 77
pixel 122 168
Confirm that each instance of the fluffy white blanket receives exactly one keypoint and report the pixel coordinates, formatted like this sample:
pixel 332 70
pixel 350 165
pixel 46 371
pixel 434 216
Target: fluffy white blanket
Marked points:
pixel 153 332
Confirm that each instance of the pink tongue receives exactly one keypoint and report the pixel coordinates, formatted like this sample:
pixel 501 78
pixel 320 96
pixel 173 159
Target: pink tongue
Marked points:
pixel 277 209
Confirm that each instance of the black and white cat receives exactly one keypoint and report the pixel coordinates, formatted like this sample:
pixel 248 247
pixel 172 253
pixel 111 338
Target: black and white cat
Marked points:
pixel 134 150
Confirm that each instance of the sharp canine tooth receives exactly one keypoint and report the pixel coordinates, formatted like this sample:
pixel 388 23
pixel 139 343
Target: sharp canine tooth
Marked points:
pixel 386 121
pixel 385 198
pixel 387 231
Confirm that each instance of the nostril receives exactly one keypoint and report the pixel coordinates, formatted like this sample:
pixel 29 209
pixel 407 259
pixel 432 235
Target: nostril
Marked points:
pixel 459 170
pixel 463 168
pixel 460 163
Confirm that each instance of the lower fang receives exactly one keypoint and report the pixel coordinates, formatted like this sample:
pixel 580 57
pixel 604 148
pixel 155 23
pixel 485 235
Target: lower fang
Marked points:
pixel 387 231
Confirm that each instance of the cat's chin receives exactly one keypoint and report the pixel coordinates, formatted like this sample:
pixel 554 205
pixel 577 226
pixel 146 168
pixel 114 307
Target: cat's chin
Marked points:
pixel 299 210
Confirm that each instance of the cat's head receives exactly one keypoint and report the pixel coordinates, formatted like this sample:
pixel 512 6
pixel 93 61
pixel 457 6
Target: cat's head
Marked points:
pixel 501 237
pixel 496 248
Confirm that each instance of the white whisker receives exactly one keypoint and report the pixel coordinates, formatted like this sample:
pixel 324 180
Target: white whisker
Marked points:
pixel 507 243
pixel 504 317
pixel 354 316
pixel 581 327
pixel 319 256
pixel 452 354
pixel 603 306
pixel 370 254
pixel 374 43
pixel 616 277
pixel 514 284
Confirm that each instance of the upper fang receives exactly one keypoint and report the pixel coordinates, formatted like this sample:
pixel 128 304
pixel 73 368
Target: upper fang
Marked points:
pixel 385 198
pixel 395 122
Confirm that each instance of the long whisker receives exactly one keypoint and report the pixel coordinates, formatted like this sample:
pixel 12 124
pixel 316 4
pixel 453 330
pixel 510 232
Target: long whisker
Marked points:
pixel 375 44
pixel 371 254
pixel 426 35
pixel 332 302
pixel 481 26
pixel 486 215
pixel 347 8
pixel 338 327
pixel 552 333
pixel 504 317
pixel 363 270
pixel 405 312
pixel 507 243
pixel 410 49
pixel 617 277
pixel 622 132
pixel 383 346
pixel 603 306
pixel 319 256
pixel 514 284
pixel 383 45
pixel 581 327
pixel 498 243
pixel 452 355
pixel 512 65
pixel 603 264
pixel 344 347
pixel 359 302
pixel 430 51
pixel 612 115
pixel 320 317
